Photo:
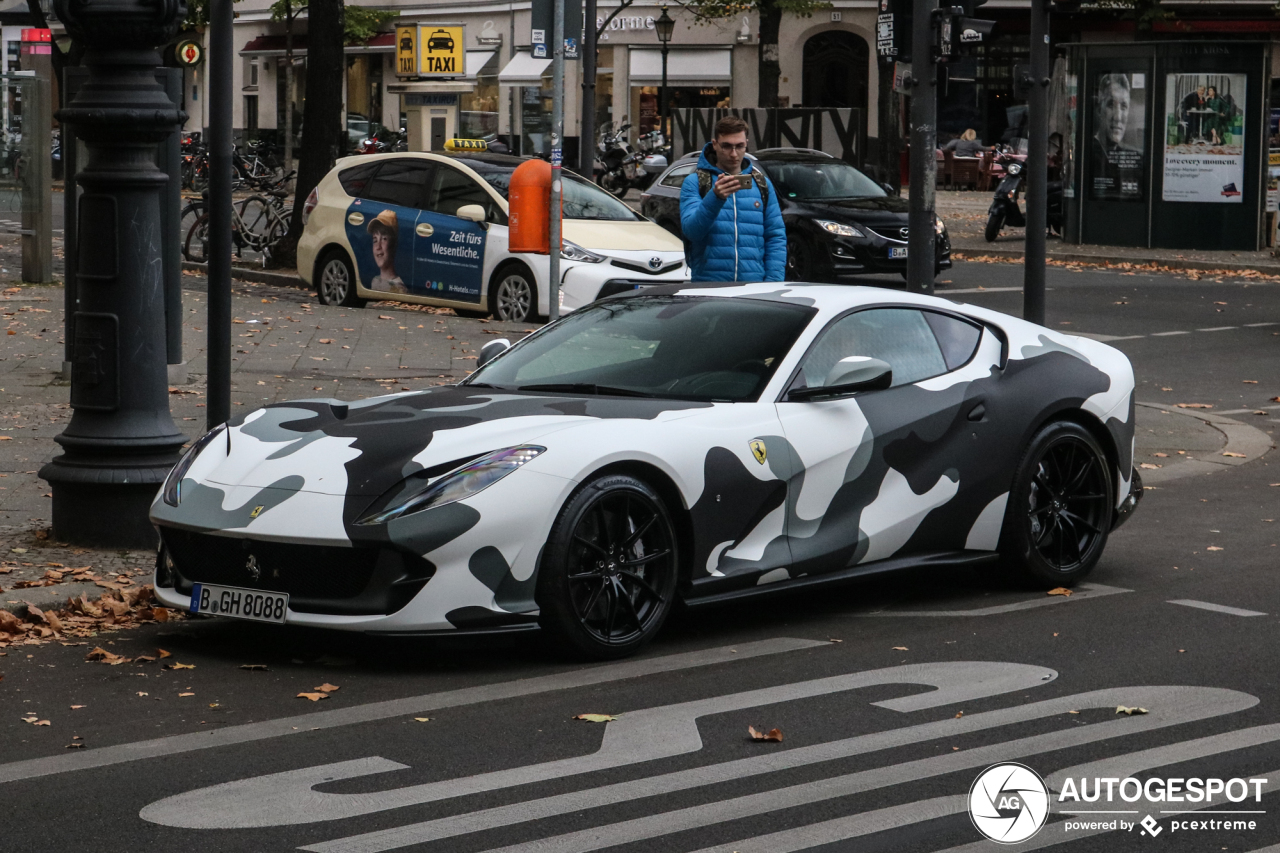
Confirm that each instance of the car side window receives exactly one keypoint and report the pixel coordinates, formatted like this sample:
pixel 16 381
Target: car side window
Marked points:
pixel 675 178
pixel 452 189
pixel 899 336
pixel 400 182
pixel 957 338
pixel 355 179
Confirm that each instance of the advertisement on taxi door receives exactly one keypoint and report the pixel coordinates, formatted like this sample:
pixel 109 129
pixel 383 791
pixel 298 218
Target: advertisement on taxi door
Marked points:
pixel 402 250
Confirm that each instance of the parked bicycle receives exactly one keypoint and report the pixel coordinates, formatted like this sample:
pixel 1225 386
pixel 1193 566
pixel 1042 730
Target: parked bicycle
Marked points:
pixel 257 223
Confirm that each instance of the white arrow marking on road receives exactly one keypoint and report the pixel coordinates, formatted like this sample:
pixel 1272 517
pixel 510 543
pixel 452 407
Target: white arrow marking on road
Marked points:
pixel 407 707
pixel 281 799
pixel 1171 706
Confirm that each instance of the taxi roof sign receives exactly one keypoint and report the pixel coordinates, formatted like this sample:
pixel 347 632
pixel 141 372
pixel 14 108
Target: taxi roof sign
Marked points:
pixel 466 145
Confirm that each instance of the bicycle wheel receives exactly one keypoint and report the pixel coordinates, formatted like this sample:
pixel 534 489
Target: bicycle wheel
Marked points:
pixel 196 245
pixel 190 214
pixel 262 225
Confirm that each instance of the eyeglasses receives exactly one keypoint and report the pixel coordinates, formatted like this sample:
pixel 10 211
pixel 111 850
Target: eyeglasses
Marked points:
pixel 728 149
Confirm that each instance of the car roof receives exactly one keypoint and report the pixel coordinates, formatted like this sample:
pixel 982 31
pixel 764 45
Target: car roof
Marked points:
pixel 792 156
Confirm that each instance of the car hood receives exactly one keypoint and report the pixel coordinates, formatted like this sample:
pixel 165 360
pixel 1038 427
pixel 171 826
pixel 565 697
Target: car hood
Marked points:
pixel 887 211
pixel 607 235
pixel 367 447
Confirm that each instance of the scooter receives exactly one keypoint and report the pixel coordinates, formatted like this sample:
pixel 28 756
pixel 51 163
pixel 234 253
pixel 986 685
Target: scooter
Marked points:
pixel 623 167
pixel 1004 208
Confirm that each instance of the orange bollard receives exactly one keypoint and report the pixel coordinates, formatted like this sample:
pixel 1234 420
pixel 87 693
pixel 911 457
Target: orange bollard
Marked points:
pixel 528 214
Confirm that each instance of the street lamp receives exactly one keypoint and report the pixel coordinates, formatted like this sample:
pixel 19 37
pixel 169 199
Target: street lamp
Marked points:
pixel 666 26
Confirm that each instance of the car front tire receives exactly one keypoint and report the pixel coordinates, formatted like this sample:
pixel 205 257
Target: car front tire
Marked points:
pixel 1060 508
pixel 336 281
pixel 607 579
pixel 799 259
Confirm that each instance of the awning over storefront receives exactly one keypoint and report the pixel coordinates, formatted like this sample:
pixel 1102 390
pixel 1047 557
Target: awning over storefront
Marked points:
pixel 524 69
pixel 476 62
pixel 275 45
pixel 699 67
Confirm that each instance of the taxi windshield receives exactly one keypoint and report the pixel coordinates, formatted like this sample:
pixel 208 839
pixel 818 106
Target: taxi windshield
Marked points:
pixel 582 200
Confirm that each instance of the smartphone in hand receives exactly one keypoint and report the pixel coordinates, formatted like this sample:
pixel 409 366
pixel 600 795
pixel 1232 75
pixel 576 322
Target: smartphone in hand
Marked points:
pixel 744 182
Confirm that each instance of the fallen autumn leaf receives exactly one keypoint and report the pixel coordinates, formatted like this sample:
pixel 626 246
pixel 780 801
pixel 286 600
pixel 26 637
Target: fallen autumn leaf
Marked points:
pixel 774 735
pixel 595 718
pixel 1062 590
pixel 1122 709
pixel 314 697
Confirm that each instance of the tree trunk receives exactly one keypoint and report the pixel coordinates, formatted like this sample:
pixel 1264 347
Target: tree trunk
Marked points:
pixel 770 71
pixel 322 124
pixel 288 88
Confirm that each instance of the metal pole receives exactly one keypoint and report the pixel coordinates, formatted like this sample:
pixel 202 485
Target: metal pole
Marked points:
pixel 924 141
pixel 1037 165
pixel 512 92
pixel 662 95
pixel 557 156
pixel 170 162
pixel 218 350
pixel 587 138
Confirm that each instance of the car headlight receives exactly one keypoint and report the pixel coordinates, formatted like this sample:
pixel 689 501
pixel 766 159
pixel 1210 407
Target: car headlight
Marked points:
pixel 1015 168
pixel 574 252
pixel 172 489
pixel 838 228
pixel 938 227
pixel 470 479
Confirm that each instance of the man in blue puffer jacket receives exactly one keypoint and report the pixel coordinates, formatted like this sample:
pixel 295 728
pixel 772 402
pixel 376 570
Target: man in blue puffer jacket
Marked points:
pixel 731 232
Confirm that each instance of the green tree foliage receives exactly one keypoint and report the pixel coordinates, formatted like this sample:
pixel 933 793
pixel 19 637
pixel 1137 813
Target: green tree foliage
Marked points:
pixel 362 23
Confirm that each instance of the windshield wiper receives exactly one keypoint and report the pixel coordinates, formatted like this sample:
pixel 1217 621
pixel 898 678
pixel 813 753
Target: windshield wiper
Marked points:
pixel 585 388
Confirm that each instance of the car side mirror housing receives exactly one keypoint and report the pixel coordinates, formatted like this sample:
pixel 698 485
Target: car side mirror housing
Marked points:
pixel 472 213
pixel 849 376
pixel 888 188
pixel 492 350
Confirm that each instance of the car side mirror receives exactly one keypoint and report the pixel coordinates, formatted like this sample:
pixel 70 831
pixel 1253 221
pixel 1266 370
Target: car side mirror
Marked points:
pixel 888 188
pixel 472 213
pixel 849 376
pixel 492 350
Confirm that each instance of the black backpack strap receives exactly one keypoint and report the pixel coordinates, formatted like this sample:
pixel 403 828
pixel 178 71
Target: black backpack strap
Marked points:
pixel 763 186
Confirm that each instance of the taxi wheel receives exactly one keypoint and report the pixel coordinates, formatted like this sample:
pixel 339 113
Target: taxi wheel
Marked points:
pixel 336 283
pixel 514 294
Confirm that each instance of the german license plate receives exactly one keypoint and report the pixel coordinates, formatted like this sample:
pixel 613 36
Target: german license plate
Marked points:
pixel 239 603
pixel 898 252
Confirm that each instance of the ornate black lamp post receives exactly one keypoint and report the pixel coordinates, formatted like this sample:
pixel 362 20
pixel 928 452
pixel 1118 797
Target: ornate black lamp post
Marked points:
pixel 666 26
pixel 121 441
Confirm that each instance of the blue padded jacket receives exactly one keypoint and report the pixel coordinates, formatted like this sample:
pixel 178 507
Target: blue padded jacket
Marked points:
pixel 732 239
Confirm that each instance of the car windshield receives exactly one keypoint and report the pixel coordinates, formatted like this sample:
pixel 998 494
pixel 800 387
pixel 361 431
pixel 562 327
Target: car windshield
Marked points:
pixel 581 199
pixel 670 347
pixel 826 179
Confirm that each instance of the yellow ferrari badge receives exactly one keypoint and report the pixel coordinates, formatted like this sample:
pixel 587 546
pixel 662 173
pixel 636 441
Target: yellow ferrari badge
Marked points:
pixel 758 450
pixel 256 511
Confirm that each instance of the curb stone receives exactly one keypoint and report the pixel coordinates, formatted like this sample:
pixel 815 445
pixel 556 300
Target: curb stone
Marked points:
pixel 258 276
pixel 46 597
pixel 1241 438
pixel 1162 264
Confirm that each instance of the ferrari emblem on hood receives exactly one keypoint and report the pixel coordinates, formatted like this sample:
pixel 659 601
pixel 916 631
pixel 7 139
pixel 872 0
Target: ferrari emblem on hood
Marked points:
pixel 257 510
pixel 758 450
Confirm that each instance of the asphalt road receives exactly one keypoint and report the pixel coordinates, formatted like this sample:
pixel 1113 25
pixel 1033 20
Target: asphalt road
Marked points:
pixel 892 694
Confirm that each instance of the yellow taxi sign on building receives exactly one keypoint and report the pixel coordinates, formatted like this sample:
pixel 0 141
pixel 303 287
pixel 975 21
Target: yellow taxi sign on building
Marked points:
pixel 466 145
pixel 407 51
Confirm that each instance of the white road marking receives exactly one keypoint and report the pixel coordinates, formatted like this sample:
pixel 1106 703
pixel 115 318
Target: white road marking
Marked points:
pixel 1246 411
pixel 281 799
pixel 1082 592
pixel 410 706
pixel 1166 334
pixel 1217 608
pixel 1186 703
pixel 945 292
pixel 1256 325
pixel 1217 329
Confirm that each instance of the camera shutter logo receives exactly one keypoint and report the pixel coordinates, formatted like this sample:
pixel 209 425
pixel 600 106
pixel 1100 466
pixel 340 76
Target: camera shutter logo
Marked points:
pixel 1009 803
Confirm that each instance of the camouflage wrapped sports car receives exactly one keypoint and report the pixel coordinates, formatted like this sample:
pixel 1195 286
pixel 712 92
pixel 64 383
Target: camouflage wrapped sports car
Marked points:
pixel 697 442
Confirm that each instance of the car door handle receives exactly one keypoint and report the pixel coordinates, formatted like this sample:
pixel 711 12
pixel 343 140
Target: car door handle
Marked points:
pixel 424 229
pixel 978 412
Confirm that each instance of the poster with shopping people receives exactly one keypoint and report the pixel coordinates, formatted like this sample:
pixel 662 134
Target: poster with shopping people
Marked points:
pixel 1204 138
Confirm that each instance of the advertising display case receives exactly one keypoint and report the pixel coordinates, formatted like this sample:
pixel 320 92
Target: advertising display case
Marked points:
pixel 1172 144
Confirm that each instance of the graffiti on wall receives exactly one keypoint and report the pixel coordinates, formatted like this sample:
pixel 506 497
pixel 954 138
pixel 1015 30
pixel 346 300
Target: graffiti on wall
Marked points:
pixel 838 132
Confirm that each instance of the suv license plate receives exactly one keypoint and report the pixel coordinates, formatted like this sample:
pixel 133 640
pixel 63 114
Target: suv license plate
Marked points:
pixel 898 252
pixel 239 603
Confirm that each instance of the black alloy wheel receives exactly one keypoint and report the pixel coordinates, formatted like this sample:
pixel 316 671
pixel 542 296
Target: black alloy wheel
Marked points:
pixel 607 579
pixel 799 259
pixel 1060 507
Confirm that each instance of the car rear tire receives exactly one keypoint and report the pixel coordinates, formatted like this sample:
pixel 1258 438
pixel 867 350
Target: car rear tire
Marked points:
pixel 607 579
pixel 994 223
pixel 1060 508
pixel 513 295
pixel 336 281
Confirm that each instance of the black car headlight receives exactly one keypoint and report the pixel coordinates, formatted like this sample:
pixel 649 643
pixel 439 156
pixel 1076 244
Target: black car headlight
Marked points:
pixel 463 482
pixel 172 490
pixel 840 229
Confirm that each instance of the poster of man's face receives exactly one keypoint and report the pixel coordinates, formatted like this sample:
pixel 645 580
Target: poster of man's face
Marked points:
pixel 1119 136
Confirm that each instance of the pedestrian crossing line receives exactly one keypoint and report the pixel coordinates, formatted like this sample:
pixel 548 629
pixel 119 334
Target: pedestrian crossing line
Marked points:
pixel 1217 608
pixel 1170 706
